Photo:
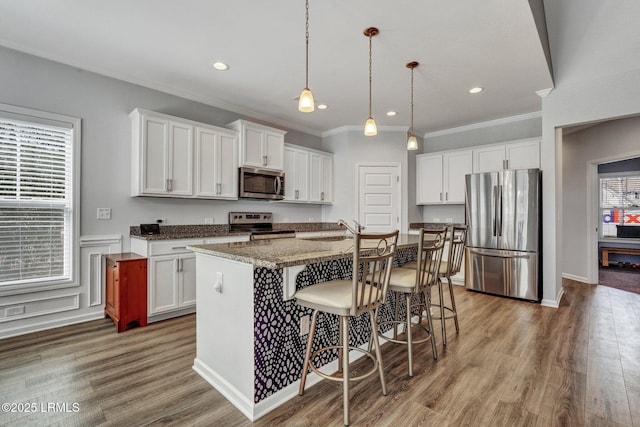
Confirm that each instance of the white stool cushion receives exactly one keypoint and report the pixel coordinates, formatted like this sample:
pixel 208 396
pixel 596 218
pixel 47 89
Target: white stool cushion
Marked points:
pixel 333 297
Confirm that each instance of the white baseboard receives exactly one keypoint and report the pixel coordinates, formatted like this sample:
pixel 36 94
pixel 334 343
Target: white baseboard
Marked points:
pixel 553 303
pixel 574 277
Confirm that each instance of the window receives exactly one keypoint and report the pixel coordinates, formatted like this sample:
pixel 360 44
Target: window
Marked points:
pixel 38 199
pixel 619 205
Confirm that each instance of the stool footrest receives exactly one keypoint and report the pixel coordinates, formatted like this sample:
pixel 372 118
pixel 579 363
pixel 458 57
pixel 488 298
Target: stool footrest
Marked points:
pixel 397 341
pixel 332 377
pixel 449 309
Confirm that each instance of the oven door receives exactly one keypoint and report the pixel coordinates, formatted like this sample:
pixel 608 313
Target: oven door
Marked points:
pixel 261 184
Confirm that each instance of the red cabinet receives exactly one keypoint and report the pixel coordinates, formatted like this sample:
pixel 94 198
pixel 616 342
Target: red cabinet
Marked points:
pixel 126 290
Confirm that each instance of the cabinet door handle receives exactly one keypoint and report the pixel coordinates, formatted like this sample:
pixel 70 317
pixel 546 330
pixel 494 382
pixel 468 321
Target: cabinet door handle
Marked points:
pixel 322 195
pixel 264 161
pixel 440 196
pixel 218 188
pixel 297 194
pixel 179 265
pixel 169 184
pixel 446 195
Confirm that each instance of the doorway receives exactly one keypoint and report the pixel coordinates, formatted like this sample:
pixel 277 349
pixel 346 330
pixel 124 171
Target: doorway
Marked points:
pixel 378 198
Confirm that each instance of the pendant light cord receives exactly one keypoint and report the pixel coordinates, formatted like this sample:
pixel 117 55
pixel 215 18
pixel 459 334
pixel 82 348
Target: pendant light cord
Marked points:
pixel 411 131
pixel 370 74
pixel 306 34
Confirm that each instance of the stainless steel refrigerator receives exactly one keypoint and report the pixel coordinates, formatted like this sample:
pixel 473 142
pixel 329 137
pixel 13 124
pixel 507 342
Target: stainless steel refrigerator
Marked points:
pixel 503 211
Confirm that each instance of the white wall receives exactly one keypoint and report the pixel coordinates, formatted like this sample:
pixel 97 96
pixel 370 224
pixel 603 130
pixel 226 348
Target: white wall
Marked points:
pixel 595 50
pixel 103 104
pixel 616 139
pixel 350 147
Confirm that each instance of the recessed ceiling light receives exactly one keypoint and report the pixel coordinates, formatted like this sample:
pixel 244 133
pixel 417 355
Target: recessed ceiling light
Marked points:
pixel 322 106
pixel 476 89
pixel 220 66
pixel 391 113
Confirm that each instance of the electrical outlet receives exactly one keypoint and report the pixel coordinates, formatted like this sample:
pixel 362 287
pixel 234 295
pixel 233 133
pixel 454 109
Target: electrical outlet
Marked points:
pixel 103 213
pixel 208 220
pixel 304 325
pixel 14 311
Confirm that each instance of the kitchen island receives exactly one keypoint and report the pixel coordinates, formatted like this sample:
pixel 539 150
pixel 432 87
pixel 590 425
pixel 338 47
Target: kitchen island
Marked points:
pixel 250 333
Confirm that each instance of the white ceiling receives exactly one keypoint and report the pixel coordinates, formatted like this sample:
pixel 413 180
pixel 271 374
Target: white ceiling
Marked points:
pixel 170 45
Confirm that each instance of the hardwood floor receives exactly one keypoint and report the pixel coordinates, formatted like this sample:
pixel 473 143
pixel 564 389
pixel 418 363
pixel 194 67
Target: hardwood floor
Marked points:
pixel 513 363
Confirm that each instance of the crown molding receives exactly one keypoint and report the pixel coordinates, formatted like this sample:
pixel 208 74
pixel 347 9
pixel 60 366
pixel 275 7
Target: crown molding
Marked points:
pixel 486 124
pixel 351 128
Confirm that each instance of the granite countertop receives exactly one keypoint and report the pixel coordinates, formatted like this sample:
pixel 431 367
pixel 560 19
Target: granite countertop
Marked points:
pixel 169 232
pixel 430 225
pixel 280 253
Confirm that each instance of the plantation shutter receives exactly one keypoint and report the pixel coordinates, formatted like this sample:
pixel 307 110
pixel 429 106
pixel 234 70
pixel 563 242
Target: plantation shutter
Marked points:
pixel 36 201
pixel 620 192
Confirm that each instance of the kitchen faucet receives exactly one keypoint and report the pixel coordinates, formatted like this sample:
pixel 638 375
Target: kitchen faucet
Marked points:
pixel 359 227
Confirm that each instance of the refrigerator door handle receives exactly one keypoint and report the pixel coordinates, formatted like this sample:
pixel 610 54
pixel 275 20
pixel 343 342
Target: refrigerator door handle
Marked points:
pixel 495 208
pixel 496 254
pixel 499 211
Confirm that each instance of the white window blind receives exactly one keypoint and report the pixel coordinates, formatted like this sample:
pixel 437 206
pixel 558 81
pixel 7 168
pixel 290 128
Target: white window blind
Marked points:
pixel 619 203
pixel 36 202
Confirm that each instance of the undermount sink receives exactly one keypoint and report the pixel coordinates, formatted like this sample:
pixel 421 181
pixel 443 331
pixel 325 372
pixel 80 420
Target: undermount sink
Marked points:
pixel 328 238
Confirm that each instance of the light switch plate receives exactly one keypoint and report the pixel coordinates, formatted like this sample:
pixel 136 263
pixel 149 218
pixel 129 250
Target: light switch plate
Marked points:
pixel 104 213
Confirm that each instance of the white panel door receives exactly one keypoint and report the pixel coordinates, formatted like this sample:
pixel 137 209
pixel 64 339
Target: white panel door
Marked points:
pixel 180 159
pixel 456 166
pixel 155 150
pixel 253 147
pixel 429 184
pixel 274 150
pixel 206 163
pixel 164 283
pixel 187 267
pixel 523 155
pixel 488 159
pixel 228 166
pixel 379 198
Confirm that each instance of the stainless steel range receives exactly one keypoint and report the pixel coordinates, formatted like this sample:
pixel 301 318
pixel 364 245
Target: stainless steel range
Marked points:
pixel 259 224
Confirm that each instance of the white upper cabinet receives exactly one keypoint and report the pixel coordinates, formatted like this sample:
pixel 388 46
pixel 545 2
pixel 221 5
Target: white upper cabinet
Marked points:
pixel 161 156
pixel 512 155
pixel 216 164
pixel 441 177
pixel 320 177
pixel 296 174
pixel 164 162
pixel 307 175
pixel 260 146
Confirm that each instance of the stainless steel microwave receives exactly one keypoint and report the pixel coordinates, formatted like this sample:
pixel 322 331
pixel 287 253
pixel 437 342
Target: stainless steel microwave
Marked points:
pixel 261 184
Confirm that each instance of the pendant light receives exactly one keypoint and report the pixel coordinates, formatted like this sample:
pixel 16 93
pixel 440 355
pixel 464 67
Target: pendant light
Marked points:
pixel 306 104
pixel 370 128
pixel 412 142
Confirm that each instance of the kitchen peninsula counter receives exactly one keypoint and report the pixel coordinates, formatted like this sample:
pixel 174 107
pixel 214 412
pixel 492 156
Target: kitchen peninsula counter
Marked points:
pixel 281 253
pixel 250 333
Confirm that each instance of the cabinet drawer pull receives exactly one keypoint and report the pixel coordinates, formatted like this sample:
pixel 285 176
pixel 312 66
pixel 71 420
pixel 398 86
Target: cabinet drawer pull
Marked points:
pixel 179 247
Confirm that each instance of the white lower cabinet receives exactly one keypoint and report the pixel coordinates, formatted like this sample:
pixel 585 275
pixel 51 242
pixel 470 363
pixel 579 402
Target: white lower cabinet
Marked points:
pixel 172 283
